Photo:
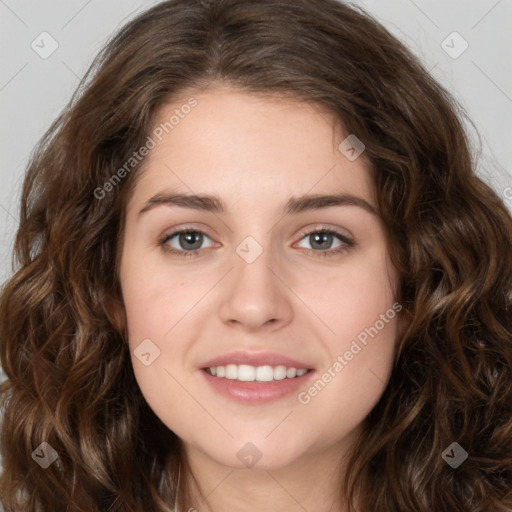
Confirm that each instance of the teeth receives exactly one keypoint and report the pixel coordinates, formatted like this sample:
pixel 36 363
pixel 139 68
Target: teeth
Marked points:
pixel 231 371
pixel 279 372
pixel 291 373
pixel 247 373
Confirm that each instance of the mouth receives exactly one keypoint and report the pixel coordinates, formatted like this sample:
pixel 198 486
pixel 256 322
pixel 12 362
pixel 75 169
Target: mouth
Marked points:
pixel 249 373
pixel 258 383
pixel 253 378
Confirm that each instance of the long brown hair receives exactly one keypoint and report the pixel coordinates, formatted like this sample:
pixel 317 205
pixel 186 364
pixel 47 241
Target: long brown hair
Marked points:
pixel 70 381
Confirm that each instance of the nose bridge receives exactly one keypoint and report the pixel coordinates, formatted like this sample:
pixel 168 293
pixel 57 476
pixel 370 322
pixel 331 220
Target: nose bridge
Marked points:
pixel 254 268
pixel 255 296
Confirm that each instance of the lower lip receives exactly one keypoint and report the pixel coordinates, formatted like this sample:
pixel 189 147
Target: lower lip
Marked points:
pixel 256 392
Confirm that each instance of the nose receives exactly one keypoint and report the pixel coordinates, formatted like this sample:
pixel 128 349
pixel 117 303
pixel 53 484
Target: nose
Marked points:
pixel 256 294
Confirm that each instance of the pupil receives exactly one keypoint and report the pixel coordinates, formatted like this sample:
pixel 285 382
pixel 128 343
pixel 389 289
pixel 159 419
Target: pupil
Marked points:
pixel 188 238
pixel 327 237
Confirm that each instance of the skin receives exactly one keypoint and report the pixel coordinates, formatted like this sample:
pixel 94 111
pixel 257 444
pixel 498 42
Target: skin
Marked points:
pixel 255 154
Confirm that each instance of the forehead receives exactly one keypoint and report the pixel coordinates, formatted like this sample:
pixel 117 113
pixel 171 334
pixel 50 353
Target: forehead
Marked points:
pixel 250 148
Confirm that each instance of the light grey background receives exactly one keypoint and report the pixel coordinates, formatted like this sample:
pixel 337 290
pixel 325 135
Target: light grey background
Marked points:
pixel 33 89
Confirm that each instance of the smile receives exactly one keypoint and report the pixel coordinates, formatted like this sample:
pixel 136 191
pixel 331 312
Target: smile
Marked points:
pixel 248 373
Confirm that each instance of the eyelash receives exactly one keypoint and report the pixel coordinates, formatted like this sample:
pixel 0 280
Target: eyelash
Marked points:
pixel 348 244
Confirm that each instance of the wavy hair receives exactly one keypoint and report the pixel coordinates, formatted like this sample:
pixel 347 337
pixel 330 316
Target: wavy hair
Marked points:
pixel 70 381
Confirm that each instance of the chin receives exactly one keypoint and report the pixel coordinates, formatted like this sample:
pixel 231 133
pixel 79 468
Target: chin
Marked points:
pixel 258 454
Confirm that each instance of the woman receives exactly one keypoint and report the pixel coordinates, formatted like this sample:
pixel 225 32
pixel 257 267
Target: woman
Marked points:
pixel 368 370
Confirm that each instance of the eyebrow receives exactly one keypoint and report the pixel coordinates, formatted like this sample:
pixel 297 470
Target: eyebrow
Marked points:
pixel 209 203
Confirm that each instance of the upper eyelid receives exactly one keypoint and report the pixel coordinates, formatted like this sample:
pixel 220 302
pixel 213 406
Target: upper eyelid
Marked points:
pixel 308 231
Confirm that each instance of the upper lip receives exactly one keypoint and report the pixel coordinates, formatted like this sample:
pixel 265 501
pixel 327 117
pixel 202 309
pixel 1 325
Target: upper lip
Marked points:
pixel 255 359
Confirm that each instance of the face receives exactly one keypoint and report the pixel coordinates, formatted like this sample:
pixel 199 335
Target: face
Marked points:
pixel 287 296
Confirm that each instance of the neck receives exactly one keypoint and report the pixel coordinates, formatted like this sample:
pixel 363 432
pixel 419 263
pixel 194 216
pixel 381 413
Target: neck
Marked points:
pixel 312 482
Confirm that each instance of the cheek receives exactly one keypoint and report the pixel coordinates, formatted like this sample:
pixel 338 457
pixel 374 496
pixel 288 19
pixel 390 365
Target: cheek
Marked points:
pixel 155 298
pixel 155 301
pixel 357 304
pixel 354 379
pixel 353 296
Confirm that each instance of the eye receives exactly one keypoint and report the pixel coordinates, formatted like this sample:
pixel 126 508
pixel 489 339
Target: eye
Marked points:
pixel 321 242
pixel 189 242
